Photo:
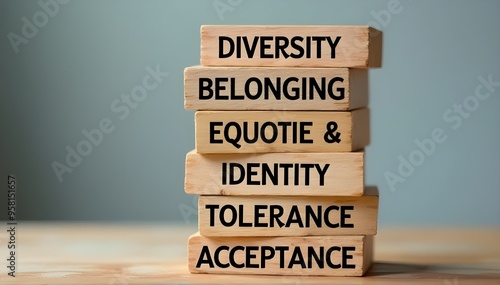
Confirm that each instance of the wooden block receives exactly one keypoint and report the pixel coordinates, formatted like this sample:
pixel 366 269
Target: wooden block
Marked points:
pixel 322 255
pixel 299 46
pixel 288 215
pixel 275 88
pixel 318 174
pixel 281 131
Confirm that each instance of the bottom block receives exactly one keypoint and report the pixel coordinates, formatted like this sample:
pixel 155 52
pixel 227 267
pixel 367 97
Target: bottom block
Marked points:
pixel 312 255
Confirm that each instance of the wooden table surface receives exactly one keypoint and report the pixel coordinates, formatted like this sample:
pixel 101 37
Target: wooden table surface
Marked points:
pixel 103 253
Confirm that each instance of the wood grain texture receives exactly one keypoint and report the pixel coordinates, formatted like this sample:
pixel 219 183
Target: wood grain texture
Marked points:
pixel 344 175
pixel 156 253
pixel 351 92
pixel 358 256
pixel 353 127
pixel 359 46
pixel 286 215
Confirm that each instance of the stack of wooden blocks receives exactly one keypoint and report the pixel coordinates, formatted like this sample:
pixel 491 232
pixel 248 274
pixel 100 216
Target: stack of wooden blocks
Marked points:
pixel 281 126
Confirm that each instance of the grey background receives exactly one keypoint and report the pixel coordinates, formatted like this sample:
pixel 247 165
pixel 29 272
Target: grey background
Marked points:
pixel 66 77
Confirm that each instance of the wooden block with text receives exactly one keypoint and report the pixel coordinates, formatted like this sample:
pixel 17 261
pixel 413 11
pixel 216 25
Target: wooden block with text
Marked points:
pixel 319 255
pixel 281 131
pixel 275 88
pixel 304 46
pixel 314 174
pixel 288 215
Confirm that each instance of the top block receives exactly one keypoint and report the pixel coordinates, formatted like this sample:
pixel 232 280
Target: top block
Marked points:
pixel 293 46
